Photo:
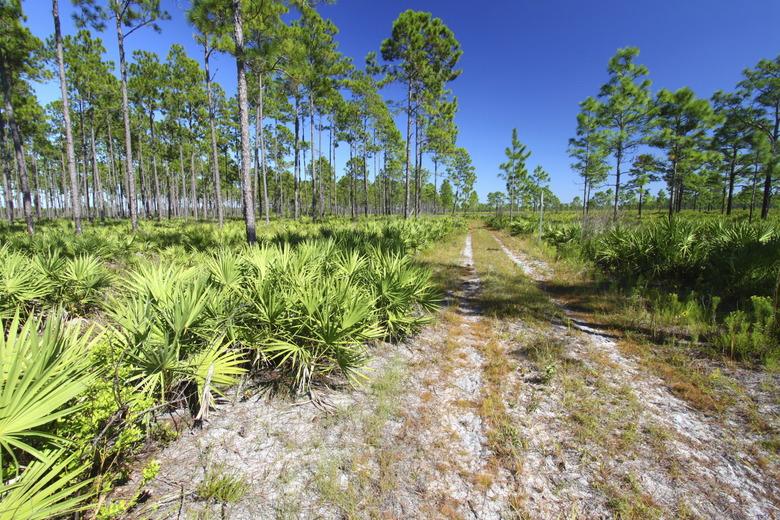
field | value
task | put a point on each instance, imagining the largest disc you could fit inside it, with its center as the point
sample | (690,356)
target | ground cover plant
(717,278)
(97,346)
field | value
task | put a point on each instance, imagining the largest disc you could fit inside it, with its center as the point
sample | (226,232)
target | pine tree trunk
(36,193)
(214,155)
(16,138)
(157,201)
(365,173)
(619,159)
(417,165)
(169,190)
(263,158)
(332,152)
(182,203)
(297,165)
(641,192)
(732,178)
(193,185)
(112,165)
(773,159)
(314,212)
(321,186)
(129,171)
(97,188)
(8,187)
(50,210)
(243,110)
(408,145)
(753,189)
(84,161)
(256,154)
(74,195)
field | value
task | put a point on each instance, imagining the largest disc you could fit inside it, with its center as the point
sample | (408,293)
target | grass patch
(506,291)
(627,500)
(222,486)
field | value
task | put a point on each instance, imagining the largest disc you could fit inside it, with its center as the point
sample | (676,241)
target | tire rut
(721,477)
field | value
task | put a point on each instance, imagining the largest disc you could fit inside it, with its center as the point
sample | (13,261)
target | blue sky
(526,63)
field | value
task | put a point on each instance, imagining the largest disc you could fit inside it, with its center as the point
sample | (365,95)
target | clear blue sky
(526,63)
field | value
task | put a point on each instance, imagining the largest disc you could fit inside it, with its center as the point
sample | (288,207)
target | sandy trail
(721,478)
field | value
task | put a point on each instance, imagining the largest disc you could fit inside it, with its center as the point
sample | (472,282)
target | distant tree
(446,195)
(732,139)
(515,172)
(761,87)
(128,16)
(625,109)
(643,171)
(661,199)
(760,149)
(422,52)
(682,123)
(473,201)
(224,19)
(442,133)
(462,173)
(588,150)
(496,200)
(147,82)
(538,182)
(19,56)
(75,199)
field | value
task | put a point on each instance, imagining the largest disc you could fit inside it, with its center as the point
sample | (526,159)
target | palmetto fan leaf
(48,488)
(42,373)
(22,284)
(225,270)
(214,368)
(83,280)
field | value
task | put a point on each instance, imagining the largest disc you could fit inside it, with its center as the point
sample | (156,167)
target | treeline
(164,140)
(703,149)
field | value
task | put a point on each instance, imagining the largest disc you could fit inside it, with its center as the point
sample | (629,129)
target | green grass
(221,486)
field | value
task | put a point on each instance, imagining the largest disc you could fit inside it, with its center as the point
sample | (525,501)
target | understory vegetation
(714,282)
(99,343)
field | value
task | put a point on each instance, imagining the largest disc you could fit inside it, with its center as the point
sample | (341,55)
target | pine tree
(422,52)
(625,109)
(761,87)
(515,171)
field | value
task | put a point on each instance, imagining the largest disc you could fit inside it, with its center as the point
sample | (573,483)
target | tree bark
(214,155)
(84,160)
(771,166)
(129,168)
(193,185)
(8,187)
(408,145)
(97,188)
(618,160)
(36,193)
(732,178)
(297,165)
(243,110)
(157,201)
(142,175)
(365,173)
(16,138)
(74,194)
